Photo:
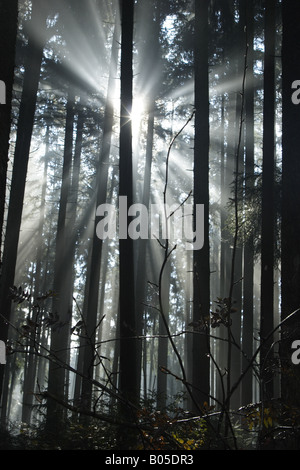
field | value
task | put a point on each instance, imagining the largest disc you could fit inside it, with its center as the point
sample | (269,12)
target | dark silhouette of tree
(25,125)
(128,348)
(247,338)
(8,28)
(201,264)
(268,217)
(290,225)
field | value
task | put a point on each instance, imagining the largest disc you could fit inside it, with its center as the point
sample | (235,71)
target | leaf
(190,442)
(18,295)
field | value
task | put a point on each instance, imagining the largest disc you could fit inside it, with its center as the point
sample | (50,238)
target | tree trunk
(236,298)
(128,373)
(247,332)
(201,301)
(8,35)
(267,234)
(163,341)
(30,375)
(24,133)
(62,303)
(290,234)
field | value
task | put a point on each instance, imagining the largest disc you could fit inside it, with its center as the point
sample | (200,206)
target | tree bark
(21,156)
(267,234)
(290,228)
(163,341)
(62,303)
(201,283)
(236,297)
(8,35)
(247,332)
(128,348)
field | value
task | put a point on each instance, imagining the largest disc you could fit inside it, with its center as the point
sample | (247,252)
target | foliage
(276,426)
(172,428)
(250,210)
(77,436)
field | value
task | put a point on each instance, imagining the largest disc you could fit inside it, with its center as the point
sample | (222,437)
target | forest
(149,233)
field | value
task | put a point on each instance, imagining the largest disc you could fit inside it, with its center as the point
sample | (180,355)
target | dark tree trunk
(227,143)
(247,332)
(8,34)
(128,348)
(201,300)
(236,295)
(21,157)
(163,341)
(267,235)
(290,235)
(225,252)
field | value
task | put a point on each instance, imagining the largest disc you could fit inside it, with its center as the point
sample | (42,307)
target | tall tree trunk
(267,234)
(224,255)
(201,300)
(247,332)
(21,157)
(128,345)
(227,152)
(38,286)
(143,245)
(163,341)
(72,226)
(62,303)
(29,377)
(8,35)
(290,232)
(115,361)
(235,329)
(82,340)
